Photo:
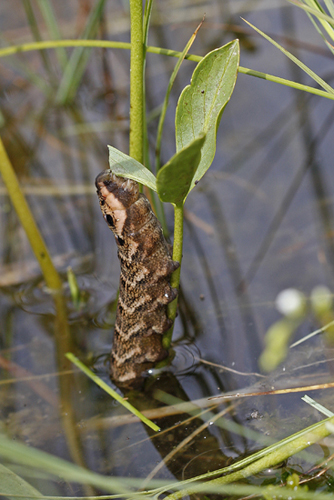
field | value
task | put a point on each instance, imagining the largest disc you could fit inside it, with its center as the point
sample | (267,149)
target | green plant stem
(53,281)
(290,447)
(26,47)
(27,220)
(136,148)
(175,279)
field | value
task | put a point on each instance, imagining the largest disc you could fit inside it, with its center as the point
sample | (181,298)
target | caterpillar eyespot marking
(145,290)
(109,220)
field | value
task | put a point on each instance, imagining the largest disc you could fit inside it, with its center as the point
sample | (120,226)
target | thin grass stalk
(136,141)
(175,279)
(289,447)
(53,28)
(166,100)
(320,32)
(98,381)
(328,27)
(51,44)
(32,458)
(27,220)
(294,59)
(78,60)
(36,33)
(330,6)
(154,200)
(146,24)
(53,281)
(315,12)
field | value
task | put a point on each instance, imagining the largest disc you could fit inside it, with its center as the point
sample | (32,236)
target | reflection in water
(251,231)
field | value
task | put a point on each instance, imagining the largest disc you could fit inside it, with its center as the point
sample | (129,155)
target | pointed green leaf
(201,103)
(125,166)
(175,177)
(12,485)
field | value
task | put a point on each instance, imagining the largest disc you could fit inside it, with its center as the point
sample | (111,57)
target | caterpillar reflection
(144,289)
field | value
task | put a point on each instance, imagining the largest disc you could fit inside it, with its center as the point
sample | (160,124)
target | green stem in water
(136,82)
(50,44)
(175,279)
(27,220)
(281,451)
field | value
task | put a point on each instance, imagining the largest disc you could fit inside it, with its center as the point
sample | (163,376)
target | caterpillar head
(116,195)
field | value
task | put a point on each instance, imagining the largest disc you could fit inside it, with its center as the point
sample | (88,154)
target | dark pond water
(260,221)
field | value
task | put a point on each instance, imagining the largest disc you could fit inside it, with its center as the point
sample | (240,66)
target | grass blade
(36,33)
(323,19)
(54,466)
(50,19)
(109,44)
(303,66)
(78,60)
(330,6)
(271,456)
(311,10)
(166,100)
(317,406)
(110,391)
(27,220)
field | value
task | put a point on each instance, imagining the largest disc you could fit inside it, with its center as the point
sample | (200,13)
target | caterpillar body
(144,289)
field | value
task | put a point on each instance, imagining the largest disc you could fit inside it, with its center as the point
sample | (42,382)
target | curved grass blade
(317,406)
(268,457)
(54,466)
(52,44)
(322,18)
(79,58)
(202,103)
(125,166)
(303,66)
(51,21)
(320,14)
(34,27)
(110,391)
(28,222)
(166,100)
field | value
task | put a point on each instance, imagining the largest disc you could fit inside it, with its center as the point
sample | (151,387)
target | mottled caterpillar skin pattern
(144,290)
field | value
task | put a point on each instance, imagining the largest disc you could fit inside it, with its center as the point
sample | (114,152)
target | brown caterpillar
(144,289)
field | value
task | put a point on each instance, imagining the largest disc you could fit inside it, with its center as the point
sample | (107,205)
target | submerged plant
(295,307)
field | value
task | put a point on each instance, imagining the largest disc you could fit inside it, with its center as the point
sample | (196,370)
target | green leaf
(175,177)
(125,166)
(12,485)
(201,103)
